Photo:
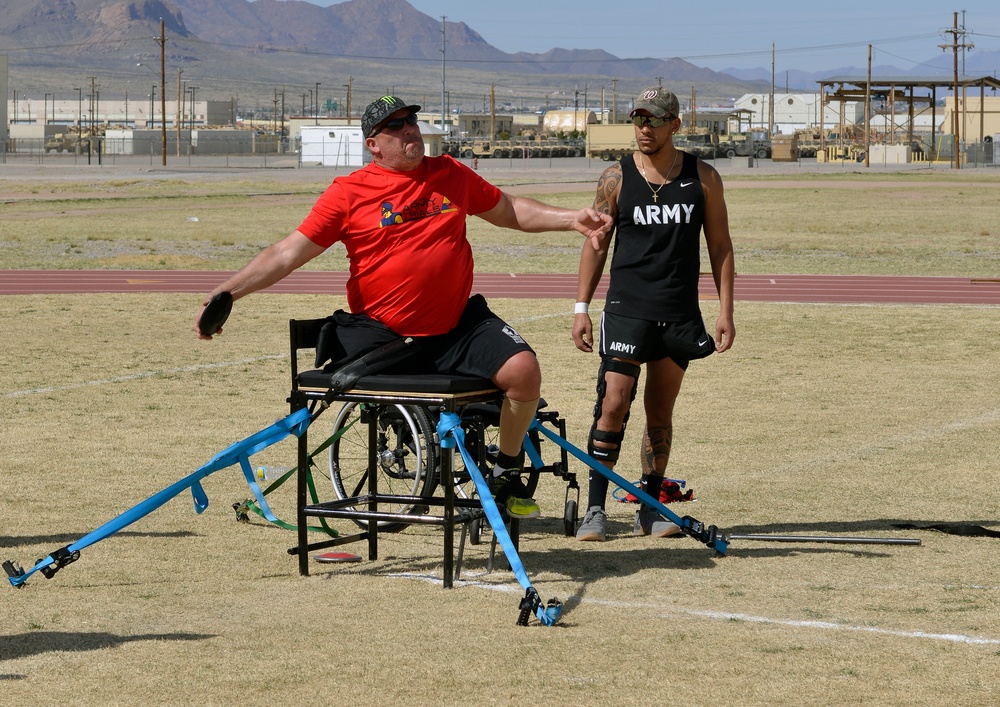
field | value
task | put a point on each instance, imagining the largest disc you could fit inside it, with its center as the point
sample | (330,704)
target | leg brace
(610,454)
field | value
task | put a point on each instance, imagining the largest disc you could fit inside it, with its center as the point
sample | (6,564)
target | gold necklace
(642,169)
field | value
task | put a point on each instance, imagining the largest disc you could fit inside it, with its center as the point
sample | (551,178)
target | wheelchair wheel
(406,456)
(570,518)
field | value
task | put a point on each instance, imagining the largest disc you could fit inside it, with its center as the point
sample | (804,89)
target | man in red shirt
(402,219)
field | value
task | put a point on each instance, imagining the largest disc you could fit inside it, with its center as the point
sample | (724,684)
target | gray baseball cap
(380,109)
(658,102)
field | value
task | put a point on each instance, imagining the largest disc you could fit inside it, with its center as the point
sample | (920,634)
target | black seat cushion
(402,383)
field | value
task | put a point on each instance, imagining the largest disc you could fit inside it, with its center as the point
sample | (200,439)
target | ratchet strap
(452,435)
(710,535)
(237,453)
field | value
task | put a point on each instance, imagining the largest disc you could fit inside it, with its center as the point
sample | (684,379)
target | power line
(512,61)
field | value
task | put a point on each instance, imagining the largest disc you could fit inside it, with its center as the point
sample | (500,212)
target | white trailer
(334,145)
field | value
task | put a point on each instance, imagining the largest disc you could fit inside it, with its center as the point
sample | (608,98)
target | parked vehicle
(67,142)
(755,143)
(610,142)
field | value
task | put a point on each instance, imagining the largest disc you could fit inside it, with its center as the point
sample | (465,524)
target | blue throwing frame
(237,453)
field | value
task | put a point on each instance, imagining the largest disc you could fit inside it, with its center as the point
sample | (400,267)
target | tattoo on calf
(656,447)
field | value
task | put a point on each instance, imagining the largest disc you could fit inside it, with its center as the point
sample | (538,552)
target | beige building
(978,117)
(138,112)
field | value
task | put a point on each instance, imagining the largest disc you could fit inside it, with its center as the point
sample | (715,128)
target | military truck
(810,139)
(66,142)
(610,142)
(753,144)
(700,144)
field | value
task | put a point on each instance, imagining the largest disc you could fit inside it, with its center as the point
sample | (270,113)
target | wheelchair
(392,430)
(408,459)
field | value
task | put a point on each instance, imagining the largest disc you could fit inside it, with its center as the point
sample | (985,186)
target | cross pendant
(654,197)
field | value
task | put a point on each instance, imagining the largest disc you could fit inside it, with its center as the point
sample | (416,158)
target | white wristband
(582,308)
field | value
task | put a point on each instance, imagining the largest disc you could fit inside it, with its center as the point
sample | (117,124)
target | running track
(758,288)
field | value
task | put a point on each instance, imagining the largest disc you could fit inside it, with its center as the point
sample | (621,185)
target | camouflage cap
(380,109)
(658,102)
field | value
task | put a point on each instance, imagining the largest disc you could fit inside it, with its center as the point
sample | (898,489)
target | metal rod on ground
(827,539)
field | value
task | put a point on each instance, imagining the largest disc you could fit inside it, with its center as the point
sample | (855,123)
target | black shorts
(478,346)
(644,340)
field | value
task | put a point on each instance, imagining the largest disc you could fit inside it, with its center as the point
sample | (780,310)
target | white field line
(727,616)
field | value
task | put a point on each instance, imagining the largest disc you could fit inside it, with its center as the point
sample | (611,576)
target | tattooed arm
(592,260)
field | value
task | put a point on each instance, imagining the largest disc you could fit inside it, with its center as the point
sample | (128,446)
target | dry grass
(916,224)
(822,419)
(904,229)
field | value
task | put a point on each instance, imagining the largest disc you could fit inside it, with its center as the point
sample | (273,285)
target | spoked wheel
(406,457)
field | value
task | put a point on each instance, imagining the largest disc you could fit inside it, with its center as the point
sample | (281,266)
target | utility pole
(274,112)
(576,111)
(693,118)
(162,41)
(443,45)
(868,110)
(955,32)
(350,85)
(178,122)
(493,111)
(93,93)
(770,104)
(614,101)
(192,89)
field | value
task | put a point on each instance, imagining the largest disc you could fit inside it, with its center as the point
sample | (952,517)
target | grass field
(857,420)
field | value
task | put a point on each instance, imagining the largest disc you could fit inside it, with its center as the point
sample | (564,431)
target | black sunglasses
(643,120)
(396,124)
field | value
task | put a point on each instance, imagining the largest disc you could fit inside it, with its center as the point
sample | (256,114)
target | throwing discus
(215,314)
(337,557)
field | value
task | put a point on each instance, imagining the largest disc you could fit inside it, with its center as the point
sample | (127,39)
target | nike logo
(686,184)
(702,343)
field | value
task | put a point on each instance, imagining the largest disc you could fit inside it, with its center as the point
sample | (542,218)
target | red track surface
(760,288)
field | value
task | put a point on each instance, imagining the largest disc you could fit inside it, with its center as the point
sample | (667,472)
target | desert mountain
(269,48)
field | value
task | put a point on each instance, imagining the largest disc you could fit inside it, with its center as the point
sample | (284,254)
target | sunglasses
(641,121)
(396,124)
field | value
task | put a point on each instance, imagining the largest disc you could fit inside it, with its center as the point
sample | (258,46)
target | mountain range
(268,50)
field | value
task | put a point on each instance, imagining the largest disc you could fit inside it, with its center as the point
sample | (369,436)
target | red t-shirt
(411,262)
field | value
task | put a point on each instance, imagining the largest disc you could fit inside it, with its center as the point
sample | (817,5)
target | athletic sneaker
(649,522)
(594,526)
(510,492)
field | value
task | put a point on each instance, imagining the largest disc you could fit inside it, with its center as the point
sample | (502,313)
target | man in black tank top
(661,200)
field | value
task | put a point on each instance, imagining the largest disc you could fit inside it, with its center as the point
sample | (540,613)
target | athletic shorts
(478,346)
(644,340)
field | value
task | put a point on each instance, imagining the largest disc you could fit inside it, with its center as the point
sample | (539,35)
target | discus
(215,314)
(337,557)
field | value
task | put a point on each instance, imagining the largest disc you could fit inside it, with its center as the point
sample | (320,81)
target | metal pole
(163,92)
(868,110)
(954,115)
(838,539)
(443,83)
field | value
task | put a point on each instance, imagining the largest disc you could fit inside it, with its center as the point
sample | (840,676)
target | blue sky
(807,36)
